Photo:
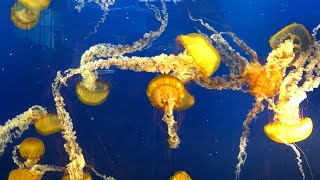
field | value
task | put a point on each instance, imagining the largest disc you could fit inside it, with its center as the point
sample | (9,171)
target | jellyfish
(292,69)
(48,124)
(86,176)
(94,96)
(90,58)
(36,5)
(298,34)
(167,92)
(15,127)
(23,17)
(285,133)
(31,149)
(206,57)
(180,175)
(21,173)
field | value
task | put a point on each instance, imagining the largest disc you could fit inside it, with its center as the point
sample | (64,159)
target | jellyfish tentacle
(242,156)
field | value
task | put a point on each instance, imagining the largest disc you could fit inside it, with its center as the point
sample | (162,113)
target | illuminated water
(125,137)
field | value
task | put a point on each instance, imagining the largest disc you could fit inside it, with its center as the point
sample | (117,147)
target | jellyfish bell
(48,124)
(289,133)
(25,174)
(164,86)
(37,5)
(23,17)
(31,149)
(297,33)
(93,97)
(180,175)
(86,176)
(206,57)
(167,92)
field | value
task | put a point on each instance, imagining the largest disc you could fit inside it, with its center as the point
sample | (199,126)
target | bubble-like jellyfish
(36,5)
(86,176)
(167,92)
(180,175)
(31,149)
(25,174)
(206,57)
(23,17)
(297,33)
(95,95)
(48,124)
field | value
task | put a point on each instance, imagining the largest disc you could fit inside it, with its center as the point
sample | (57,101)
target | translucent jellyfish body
(94,96)
(48,124)
(23,17)
(31,149)
(167,92)
(206,57)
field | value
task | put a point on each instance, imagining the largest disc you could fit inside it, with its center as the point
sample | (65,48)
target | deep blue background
(125,137)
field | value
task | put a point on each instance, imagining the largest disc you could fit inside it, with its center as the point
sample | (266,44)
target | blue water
(125,136)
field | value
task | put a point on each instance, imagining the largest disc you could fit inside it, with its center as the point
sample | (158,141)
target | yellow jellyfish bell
(37,5)
(297,33)
(163,86)
(206,57)
(180,175)
(167,92)
(289,133)
(23,17)
(86,176)
(31,149)
(24,174)
(93,97)
(48,124)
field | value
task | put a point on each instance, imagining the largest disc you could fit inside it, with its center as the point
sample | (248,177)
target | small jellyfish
(36,5)
(48,124)
(285,133)
(86,176)
(180,175)
(167,92)
(31,149)
(24,174)
(95,96)
(205,56)
(297,33)
(23,17)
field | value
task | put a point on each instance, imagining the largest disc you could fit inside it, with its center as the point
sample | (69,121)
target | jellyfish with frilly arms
(291,70)
(90,85)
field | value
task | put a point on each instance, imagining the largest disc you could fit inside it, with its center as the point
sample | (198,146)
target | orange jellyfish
(205,56)
(94,96)
(19,174)
(36,5)
(297,33)
(48,124)
(167,92)
(262,81)
(180,175)
(86,176)
(287,126)
(31,149)
(23,17)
